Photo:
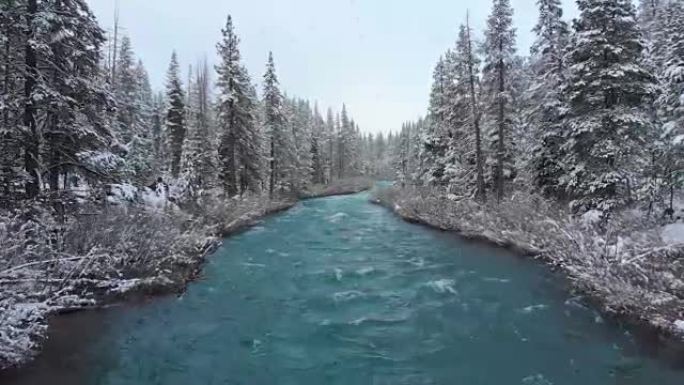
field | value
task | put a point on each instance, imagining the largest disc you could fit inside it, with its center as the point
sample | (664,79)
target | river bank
(332,292)
(625,270)
(119,254)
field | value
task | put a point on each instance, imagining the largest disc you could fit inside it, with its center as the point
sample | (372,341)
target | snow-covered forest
(107,185)
(574,152)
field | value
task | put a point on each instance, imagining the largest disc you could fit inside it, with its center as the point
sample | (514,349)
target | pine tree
(30,135)
(274,124)
(126,92)
(330,138)
(199,154)
(344,144)
(11,34)
(549,69)
(318,138)
(606,87)
(238,130)
(472,64)
(52,97)
(435,139)
(140,148)
(499,50)
(670,103)
(175,116)
(249,147)
(299,122)
(649,12)
(159,152)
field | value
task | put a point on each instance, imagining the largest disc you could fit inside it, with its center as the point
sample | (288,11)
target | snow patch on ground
(679,326)
(592,217)
(673,233)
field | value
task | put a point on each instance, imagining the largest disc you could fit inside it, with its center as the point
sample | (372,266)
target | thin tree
(175,115)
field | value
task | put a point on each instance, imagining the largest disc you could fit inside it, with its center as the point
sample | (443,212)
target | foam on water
(443,286)
(305,301)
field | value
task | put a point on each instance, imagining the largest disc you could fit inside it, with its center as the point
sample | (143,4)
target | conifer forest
(201,223)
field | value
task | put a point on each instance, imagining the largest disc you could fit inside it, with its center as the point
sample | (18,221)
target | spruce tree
(330,138)
(318,139)
(175,116)
(472,65)
(11,128)
(606,88)
(126,91)
(499,50)
(549,69)
(237,126)
(199,152)
(670,103)
(274,124)
(249,145)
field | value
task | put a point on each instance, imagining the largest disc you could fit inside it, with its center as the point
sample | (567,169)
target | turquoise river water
(339,291)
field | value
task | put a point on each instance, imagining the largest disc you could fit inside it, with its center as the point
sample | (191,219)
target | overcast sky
(376,56)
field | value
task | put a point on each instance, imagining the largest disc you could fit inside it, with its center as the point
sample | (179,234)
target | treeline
(77,112)
(593,116)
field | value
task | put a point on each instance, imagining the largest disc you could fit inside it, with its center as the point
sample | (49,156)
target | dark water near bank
(338,291)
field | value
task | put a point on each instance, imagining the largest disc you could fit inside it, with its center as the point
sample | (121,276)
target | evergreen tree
(606,88)
(175,116)
(472,64)
(436,139)
(69,66)
(11,99)
(140,155)
(499,50)
(649,13)
(274,124)
(330,138)
(317,147)
(249,148)
(238,131)
(549,69)
(670,102)
(199,154)
(344,143)
(126,90)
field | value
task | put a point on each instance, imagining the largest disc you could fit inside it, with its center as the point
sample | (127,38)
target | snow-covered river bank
(339,291)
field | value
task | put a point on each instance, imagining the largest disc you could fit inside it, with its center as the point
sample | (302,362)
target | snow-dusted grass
(99,255)
(141,242)
(621,263)
(94,256)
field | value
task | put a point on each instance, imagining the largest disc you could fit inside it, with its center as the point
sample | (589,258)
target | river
(339,291)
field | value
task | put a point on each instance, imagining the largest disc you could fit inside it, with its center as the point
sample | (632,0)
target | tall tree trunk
(230,169)
(31,140)
(480,193)
(500,145)
(331,161)
(340,156)
(271,187)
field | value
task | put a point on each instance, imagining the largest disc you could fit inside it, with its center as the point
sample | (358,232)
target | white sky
(376,56)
